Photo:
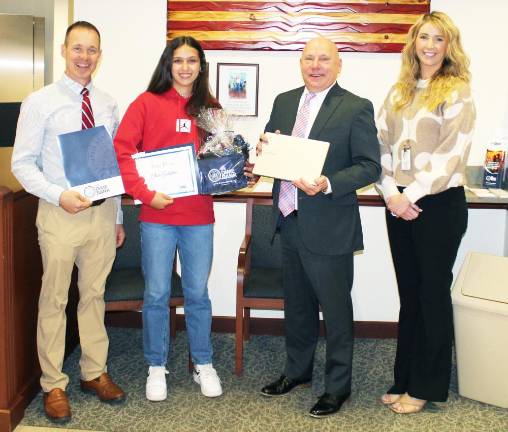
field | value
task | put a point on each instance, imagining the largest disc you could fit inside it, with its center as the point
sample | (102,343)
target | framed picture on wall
(237,88)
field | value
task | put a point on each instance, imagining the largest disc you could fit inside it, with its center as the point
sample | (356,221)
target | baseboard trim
(266,326)
(13,414)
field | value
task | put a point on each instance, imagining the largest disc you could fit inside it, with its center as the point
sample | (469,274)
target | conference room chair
(259,275)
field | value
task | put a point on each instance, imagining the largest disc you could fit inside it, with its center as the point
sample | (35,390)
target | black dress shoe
(282,386)
(328,404)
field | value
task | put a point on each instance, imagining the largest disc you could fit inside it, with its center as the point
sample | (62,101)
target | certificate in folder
(173,170)
(90,163)
(291,158)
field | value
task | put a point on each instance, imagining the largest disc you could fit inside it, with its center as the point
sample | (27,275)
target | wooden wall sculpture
(355,25)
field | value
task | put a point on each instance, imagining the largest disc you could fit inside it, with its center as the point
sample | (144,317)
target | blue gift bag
(221,174)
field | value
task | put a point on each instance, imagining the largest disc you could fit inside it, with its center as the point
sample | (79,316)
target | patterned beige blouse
(438,142)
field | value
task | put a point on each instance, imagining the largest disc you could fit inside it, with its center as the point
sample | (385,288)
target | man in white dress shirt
(72,230)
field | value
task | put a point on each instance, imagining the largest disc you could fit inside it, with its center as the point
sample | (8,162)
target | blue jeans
(195,247)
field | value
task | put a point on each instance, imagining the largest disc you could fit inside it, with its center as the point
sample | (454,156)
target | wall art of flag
(355,25)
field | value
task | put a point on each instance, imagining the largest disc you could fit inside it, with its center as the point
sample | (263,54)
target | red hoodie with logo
(155,122)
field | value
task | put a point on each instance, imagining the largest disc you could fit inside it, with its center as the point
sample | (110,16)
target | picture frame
(238,88)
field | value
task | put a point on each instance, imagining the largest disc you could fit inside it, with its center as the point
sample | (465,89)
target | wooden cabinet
(20,276)
(20,282)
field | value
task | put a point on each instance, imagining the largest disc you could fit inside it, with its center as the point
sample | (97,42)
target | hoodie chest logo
(183,125)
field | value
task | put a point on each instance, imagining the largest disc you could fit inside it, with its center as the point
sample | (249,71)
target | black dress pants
(423,252)
(312,281)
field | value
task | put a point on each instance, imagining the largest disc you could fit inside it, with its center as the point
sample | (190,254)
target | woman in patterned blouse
(425,129)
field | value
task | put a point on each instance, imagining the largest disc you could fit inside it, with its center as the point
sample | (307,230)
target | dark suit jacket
(330,224)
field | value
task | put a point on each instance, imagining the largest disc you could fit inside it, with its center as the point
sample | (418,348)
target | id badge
(405,162)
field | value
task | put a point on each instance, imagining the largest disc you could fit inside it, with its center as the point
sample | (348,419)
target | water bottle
(494,167)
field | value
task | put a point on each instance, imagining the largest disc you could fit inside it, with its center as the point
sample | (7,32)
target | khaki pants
(88,240)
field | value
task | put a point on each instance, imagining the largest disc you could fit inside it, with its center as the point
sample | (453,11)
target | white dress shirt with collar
(55,109)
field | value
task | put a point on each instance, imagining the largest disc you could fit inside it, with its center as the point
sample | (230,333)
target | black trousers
(312,281)
(423,252)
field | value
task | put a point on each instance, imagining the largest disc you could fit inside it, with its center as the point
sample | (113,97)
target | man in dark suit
(321,228)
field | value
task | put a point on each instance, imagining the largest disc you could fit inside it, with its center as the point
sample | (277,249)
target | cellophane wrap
(222,156)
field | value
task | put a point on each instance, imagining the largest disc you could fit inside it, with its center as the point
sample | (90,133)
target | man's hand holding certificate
(90,165)
(291,158)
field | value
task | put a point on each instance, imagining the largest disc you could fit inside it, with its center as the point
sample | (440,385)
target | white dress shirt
(37,161)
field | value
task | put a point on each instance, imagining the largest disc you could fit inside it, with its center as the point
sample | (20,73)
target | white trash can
(480,309)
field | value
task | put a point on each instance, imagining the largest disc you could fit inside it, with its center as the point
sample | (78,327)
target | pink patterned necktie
(87,120)
(287,189)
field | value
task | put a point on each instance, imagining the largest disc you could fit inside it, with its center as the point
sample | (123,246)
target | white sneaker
(156,388)
(206,376)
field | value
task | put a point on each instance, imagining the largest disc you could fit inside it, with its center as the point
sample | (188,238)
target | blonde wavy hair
(453,73)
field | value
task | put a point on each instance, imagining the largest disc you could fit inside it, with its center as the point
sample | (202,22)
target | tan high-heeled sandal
(408,405)
(390,398)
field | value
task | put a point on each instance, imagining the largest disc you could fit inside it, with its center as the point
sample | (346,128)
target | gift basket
(222,156)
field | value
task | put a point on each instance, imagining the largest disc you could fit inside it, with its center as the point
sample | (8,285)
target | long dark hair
(162,80)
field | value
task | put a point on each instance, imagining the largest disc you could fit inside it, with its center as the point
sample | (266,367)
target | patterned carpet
(241,408)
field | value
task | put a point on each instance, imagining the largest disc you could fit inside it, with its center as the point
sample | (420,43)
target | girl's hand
(160,201)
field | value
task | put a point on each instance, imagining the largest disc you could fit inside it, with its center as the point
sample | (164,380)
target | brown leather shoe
(56,406)
(105,389)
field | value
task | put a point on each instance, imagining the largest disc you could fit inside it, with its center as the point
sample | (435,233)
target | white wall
(134,36)
(61,20)
(483,29)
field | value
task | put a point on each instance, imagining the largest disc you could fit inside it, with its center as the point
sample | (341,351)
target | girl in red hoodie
(164,116)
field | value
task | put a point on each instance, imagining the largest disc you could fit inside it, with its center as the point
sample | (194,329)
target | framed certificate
(173,171)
